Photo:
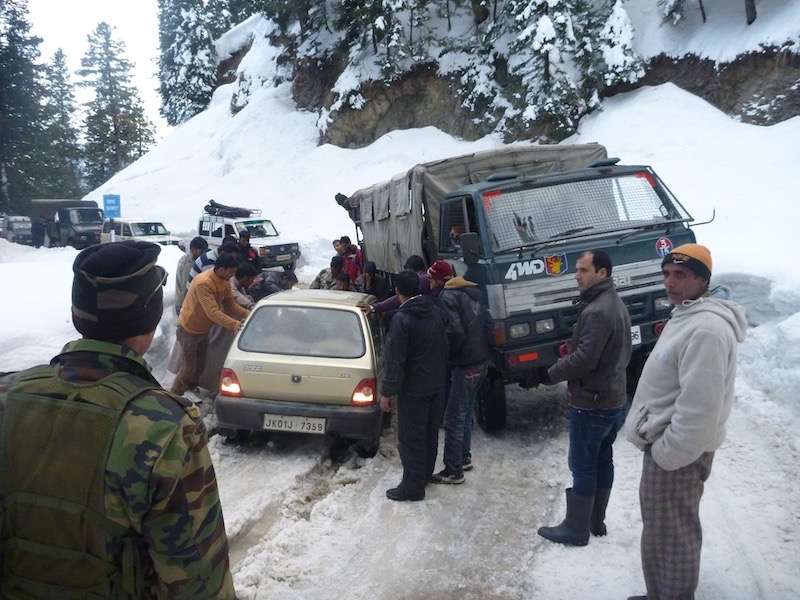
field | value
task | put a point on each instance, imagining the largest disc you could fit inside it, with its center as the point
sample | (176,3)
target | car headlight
(545,326)
(663,303)
(519,330)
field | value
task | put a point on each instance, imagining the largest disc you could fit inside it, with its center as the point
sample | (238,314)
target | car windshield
(534,214)
(304,331)
(257,228)
(20,226)
(149,229)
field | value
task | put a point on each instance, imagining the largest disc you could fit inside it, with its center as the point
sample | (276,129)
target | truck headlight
(519,330)
(662,303)
(545,326)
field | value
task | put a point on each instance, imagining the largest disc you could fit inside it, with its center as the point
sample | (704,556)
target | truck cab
(520,237)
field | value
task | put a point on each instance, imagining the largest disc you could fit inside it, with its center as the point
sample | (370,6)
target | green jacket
(159,485)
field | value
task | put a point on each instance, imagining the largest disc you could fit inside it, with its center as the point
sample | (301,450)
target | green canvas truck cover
(394,215)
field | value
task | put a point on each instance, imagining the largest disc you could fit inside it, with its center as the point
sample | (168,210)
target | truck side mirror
(470,247)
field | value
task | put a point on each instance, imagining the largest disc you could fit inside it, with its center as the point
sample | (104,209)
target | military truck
(515,220)
(76,223)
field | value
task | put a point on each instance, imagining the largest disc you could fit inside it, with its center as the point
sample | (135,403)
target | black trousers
(418,421)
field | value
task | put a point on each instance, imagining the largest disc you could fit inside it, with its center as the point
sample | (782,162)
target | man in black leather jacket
(600,349)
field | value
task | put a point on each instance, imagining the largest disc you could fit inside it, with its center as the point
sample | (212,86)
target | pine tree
(543,45)
(604,51)
(672,10)
(218,17)
(187,65)
(117,130)
(20,107)
(62,177)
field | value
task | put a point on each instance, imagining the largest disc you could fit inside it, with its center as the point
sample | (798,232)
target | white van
(142,230)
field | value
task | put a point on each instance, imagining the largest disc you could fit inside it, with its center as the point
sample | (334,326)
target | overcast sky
(67,25)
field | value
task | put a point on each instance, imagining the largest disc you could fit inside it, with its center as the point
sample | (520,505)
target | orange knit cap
(693,256)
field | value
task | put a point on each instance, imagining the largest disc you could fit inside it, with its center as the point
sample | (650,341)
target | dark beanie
(117,290)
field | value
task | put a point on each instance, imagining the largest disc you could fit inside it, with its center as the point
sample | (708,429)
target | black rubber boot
(574,529)
(597,525)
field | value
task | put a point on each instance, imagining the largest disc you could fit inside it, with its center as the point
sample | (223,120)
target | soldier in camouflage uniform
(106,484)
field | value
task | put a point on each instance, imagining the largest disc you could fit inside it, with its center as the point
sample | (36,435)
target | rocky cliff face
(760,88)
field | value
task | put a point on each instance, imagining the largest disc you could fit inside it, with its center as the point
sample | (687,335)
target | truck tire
(490,407)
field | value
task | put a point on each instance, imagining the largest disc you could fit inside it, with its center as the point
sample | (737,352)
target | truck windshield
(534,214)
(257,229)
(149,229)
(87,216)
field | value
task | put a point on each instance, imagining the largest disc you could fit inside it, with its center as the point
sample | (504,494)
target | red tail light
(230,383)
(658,328)
(365,392)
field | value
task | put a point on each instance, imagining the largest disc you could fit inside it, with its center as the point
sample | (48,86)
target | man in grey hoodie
(678,417)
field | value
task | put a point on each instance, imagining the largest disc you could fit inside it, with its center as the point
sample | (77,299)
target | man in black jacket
(599,352)
(468,335)
(416,353)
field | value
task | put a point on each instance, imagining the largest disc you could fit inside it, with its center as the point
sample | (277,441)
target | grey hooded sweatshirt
(685,393)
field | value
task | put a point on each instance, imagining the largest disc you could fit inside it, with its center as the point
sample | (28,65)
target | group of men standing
(436,342)
(677,417)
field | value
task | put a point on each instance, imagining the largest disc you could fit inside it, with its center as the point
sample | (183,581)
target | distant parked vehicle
(306,361)
(139,230)
(76,223)
(17,229)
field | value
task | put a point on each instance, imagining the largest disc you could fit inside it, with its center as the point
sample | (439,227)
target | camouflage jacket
(159,479)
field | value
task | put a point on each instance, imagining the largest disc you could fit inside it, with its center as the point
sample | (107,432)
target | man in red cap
(678,417)
(468,336)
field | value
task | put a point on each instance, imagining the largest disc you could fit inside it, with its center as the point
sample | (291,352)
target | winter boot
(597,525)
(574,529)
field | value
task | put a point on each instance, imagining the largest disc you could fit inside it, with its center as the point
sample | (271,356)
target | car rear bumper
(357,422)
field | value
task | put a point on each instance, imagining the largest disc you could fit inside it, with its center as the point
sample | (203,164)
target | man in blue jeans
(594,368)
(468,330)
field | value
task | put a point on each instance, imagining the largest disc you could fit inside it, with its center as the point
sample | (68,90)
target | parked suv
(139,230)
(306,361)
(219,221)
(17,229)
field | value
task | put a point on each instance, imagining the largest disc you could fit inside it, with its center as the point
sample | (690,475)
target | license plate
(294,424)
(636,335)
(284,257)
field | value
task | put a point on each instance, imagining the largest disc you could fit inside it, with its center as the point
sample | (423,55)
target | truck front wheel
(490,406)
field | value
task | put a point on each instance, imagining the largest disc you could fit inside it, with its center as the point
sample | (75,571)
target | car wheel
(239,437)
(490,408)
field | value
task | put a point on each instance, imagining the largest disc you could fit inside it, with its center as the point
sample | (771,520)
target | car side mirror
(470,248)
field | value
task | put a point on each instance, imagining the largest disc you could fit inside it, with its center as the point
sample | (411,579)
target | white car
(142,230)
(219,221)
